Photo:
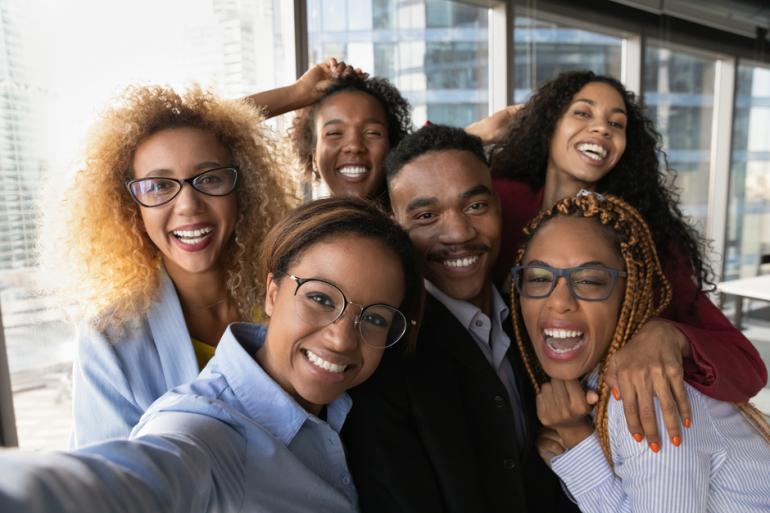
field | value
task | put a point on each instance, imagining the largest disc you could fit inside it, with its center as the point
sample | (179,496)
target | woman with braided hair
(586,131)
(569,330)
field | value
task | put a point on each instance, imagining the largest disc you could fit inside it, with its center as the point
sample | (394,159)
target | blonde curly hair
(93,236)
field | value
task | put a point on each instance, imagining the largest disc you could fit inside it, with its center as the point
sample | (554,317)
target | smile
(353,171)
(461,262)
(564,342)
(326,365)
(592,151)
(192,237)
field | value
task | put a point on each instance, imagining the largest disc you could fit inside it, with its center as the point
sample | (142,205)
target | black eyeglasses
(587,283)
(154,191)
(320,303)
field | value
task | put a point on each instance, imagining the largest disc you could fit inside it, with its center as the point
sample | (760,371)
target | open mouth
(353,171)
(592,151)
(326,365)
(192,237)
(563,342)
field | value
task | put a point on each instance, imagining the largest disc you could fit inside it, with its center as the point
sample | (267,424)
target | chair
(763,267)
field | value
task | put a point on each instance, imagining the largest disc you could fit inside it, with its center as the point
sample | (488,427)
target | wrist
(682,342)
(574,434)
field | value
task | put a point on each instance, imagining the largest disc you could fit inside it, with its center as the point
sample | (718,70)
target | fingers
(669,409)
(682,402)
(646,404)
(630,409)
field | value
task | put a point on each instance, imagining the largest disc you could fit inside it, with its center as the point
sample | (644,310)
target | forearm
(281,100)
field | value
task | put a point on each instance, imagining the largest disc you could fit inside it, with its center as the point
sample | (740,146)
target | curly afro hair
(396,107)
(641,177)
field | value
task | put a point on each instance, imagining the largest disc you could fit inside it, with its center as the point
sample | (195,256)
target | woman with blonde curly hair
(155,237)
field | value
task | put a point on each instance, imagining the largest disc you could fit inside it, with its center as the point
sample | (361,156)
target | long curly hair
(397,111)
(92,234)
(641,177)
(646,295)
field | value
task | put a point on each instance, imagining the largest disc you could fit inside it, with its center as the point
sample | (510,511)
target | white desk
(757,287)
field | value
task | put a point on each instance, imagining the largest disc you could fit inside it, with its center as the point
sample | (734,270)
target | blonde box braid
(647,293)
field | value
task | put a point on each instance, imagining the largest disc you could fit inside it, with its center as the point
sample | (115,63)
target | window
(748,219)
(543,49)
(434,51)
(679,97)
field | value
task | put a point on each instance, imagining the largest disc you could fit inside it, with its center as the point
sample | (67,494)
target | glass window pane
(679,97)
(748,221)
(543,49)
(434,51)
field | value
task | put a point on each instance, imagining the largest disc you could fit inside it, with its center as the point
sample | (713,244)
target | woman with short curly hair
(345,135)
(586,131)
(155,237)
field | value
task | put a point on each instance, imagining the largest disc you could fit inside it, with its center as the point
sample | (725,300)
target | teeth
(593,151)
(558,333)
(325,365)
(461,262)
(193,234)
(353,170)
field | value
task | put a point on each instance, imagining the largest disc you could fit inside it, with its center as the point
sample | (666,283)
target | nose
(561,298)
(456,228)
(188,201)
(600,126)
(343,335)
(354,143)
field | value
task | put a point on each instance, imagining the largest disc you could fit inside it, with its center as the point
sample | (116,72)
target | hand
(563,406)
(493,127)
(314,82)
(650,365)
(549,445)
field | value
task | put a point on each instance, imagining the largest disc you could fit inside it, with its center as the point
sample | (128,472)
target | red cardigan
(724,365)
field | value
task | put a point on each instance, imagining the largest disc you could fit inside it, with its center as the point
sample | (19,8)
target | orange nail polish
(676,441)
(615,394)
(654,446)
(638,437)
(687,422)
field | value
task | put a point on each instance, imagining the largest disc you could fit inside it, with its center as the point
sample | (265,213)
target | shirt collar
(261,397)
(465,311)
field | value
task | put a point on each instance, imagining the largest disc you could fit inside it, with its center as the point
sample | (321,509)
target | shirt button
(499,401)
(346,480)
(479,324)
(509,464)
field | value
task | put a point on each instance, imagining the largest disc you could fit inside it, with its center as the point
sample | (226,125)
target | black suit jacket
(435,432)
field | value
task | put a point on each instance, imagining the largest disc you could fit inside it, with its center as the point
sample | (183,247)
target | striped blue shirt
(723,465)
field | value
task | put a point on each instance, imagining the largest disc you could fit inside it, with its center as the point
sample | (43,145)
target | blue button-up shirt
(233,440)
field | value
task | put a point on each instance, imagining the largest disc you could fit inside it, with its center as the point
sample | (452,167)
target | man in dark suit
(452,427)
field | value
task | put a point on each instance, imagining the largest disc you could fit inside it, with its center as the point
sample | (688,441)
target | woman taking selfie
(258,431)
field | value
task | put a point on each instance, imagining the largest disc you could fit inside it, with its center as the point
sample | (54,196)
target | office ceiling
(742,17)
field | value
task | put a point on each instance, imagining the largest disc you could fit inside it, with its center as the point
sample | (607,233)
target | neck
(559,185)
(200,291)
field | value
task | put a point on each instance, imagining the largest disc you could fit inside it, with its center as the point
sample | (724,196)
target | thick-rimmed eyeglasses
(587,283)
(320,303)
(154,191)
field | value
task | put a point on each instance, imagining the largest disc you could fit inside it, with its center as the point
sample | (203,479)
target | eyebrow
(420,203)
(165,172)
(592,263)
(480,189)
(338,121)
(593,104)
(417,203)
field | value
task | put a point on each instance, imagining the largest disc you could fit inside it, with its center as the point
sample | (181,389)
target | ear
(271,294)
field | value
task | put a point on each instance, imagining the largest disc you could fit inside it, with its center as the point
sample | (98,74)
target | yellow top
(203,352)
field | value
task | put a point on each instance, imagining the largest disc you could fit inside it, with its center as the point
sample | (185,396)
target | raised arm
(305,91)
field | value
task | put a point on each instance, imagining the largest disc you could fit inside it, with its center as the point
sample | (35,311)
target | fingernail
(676,441)
(638,437)
(615,394)
(687,422)
(654,446)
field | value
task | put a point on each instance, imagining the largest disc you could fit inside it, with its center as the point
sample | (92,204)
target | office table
(757,287)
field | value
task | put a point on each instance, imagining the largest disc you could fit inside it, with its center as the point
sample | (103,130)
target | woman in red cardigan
(586,131)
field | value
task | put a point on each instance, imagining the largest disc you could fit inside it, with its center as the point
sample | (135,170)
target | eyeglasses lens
(588,283)
(157,191)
